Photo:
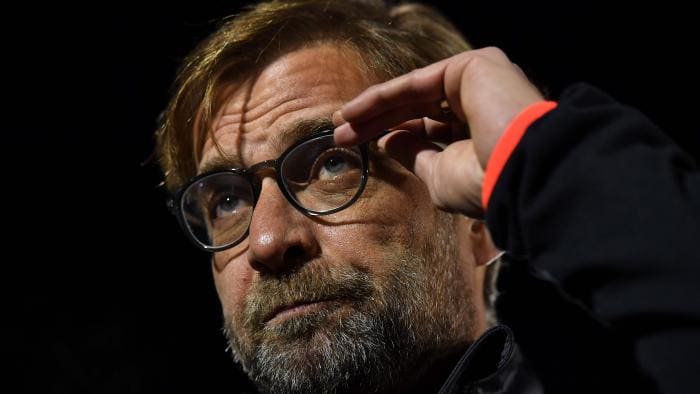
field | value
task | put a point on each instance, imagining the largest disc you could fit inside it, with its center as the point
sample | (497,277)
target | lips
(287,310)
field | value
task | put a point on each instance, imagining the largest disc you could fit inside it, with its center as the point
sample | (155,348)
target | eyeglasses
(316,176)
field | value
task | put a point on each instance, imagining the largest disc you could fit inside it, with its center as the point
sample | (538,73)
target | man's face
(359,298)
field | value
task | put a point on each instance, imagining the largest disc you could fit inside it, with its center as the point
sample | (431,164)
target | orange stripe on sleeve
(507,143)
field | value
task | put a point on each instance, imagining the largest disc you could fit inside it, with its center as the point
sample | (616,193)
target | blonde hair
(390,41)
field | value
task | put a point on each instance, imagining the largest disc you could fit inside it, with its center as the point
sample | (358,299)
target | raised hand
(473,94)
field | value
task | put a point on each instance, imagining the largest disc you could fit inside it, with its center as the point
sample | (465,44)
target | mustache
(311,283)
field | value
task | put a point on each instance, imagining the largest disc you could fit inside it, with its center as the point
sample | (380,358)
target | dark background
(104,293)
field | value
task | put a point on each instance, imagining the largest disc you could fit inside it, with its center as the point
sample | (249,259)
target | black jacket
(599,212)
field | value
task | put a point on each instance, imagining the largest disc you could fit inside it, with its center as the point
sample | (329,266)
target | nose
(280,237)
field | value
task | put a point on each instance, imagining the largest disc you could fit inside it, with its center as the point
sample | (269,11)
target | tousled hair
(389,40)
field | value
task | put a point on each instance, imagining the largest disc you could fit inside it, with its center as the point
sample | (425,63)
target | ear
(483,248)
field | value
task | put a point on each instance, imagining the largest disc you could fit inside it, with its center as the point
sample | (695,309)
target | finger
(351,133)
(457,179)
(434,130)
(414,95)
(455,82)
(520,70)
(446,132)
(419,86)
(412,152)
(337,118)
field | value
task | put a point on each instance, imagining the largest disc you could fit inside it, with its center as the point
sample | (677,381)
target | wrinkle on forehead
(308,83)
(278,142)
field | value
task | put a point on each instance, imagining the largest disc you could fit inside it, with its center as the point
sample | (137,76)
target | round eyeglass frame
(175,202)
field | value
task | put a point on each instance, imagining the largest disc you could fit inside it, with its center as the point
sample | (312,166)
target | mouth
(296,309)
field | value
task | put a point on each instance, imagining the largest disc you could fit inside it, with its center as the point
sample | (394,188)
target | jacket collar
(492,364)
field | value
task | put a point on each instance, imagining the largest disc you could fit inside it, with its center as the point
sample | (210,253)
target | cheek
(389,221)
(360,243)
(232,284)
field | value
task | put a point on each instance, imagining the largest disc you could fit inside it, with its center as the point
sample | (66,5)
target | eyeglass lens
(316,174)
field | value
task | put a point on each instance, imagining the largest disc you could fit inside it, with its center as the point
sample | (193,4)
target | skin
(381,224)
(484,91)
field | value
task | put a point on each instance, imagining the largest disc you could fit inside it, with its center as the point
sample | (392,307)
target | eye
(332,166)
(333,163)
(226,205)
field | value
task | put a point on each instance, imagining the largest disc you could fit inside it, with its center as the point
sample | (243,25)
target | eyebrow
(279,142)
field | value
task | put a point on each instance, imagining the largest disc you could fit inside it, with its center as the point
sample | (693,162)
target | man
(346,258)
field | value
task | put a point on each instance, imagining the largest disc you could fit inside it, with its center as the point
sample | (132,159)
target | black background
(104,293)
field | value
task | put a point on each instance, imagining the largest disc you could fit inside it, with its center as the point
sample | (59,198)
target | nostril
(291,260)
(260,267)
(295,255)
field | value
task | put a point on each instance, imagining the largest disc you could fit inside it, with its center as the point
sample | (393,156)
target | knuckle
(414,81)
(493,50)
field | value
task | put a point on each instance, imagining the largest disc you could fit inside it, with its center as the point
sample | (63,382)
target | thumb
(413,152)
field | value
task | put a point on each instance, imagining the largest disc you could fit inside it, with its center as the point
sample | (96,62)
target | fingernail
(337,118)
(381,142)
(343,134)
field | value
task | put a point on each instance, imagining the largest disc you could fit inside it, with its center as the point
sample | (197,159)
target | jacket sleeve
(601,199)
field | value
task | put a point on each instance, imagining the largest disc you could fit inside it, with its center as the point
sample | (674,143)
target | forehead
(304,85)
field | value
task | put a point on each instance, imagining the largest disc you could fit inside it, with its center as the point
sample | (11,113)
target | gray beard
(380,340)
